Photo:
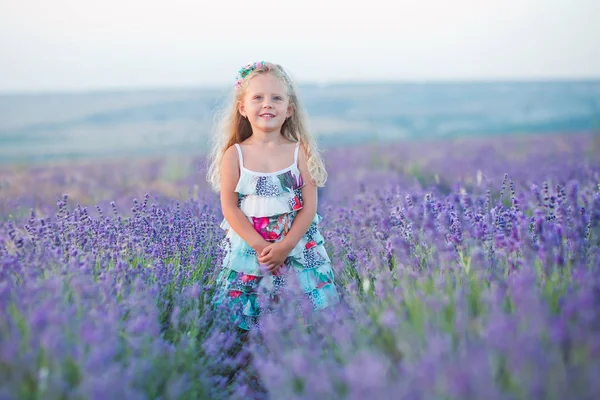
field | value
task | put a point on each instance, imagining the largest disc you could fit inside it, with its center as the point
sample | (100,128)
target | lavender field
(468,269)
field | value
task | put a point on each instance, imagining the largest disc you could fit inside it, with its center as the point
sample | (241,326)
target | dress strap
(239,150)
(296,154)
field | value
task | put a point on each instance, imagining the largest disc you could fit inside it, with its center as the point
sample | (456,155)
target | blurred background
(82,81)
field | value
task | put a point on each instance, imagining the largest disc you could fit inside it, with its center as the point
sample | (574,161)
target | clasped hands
(273,255)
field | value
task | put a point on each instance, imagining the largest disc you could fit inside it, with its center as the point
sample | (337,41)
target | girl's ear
(242,110)
(290,111)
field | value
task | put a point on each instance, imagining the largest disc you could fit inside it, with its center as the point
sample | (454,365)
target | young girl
(267,167)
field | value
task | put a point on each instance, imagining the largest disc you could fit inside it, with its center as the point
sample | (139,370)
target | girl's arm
(230,174)
(305,216)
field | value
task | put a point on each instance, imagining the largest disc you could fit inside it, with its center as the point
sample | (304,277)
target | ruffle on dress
(242,277)
(257,206)
(269,185)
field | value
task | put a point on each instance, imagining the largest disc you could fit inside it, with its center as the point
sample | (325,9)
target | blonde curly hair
(231,127)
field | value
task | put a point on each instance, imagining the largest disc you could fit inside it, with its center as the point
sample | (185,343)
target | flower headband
(245,71)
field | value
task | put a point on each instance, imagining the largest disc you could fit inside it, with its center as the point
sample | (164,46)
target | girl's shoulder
(230,156)
(230,151)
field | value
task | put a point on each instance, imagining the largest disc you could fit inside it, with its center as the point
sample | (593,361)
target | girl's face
(266,103)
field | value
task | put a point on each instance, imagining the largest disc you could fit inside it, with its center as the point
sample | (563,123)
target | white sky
(85,44)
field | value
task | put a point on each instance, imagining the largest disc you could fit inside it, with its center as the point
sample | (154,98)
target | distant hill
(37,127)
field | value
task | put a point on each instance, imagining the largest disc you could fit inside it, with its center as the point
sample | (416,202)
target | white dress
(271,201)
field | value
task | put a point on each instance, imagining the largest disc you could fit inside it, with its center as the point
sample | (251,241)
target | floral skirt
(241,278)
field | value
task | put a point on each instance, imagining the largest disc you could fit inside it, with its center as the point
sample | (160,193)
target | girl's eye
(278,98)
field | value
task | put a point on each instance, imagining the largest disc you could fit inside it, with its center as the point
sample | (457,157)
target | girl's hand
(260,246)
(274,255)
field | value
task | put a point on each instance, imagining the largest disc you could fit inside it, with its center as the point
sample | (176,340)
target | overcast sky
(84,44)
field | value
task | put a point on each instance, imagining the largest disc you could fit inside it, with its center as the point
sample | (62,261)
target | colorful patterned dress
(271,202)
